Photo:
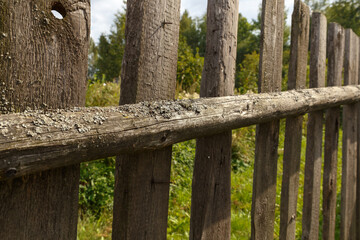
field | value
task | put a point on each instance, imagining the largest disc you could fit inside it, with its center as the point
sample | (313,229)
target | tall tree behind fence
(43,65)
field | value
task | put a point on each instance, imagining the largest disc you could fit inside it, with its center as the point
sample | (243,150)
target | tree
(189,67)
(248,39)
(92,59)
(316,5)
(248,74)
(194,32)
(346,13)
(110,51)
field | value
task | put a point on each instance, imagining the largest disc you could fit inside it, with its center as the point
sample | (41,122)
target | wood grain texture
(43,65)
(85,134)
(335,51)
(211,205)
(150,57)
(267,135)
(313,162)
(148,73)
(349,167)
(211,187)
(300,29)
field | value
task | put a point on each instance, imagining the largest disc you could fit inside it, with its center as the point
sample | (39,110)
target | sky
(103,11)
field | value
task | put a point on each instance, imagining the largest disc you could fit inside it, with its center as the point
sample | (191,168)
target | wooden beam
(34,141)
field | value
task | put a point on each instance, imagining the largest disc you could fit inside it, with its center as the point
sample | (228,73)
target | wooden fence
(43,67)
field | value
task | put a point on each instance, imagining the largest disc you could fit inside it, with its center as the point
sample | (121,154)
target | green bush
(102,94)
(97,186)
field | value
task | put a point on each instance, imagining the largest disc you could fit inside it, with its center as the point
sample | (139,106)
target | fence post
(43,65)
(211,187)
(148,73)
(293,132)
(312,182)
(267,134)
(335,50)
(349,169)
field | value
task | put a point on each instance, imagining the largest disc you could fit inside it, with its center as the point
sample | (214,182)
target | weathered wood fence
(43,67)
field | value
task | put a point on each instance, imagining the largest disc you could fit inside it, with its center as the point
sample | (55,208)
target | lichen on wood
(35,141)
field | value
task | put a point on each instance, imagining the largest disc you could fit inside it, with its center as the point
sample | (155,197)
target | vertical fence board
(267,135)
(211,187)
(349,170)
(293,132)
(142,180)
(311,206)
(335,51)
(43,65)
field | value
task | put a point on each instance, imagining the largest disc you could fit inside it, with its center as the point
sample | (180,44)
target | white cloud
(103,12)
(102,16)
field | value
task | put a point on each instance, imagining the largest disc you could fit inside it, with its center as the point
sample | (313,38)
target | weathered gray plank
(86,134)
(311,204)
(43,64)
(349,167)
(211,205)
(293,133)
(267,135)
(335,50)
(211,187)
(148,72)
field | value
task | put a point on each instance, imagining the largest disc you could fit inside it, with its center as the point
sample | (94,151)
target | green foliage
(91,227)
(248,74)
(248,39)
(346,13)
(92,59)
(317,5)
(189,68)
(102,94)
(105,58)
(180,190)
(97,186)
(193,31)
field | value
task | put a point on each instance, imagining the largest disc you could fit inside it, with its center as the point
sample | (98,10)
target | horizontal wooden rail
(36,141)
